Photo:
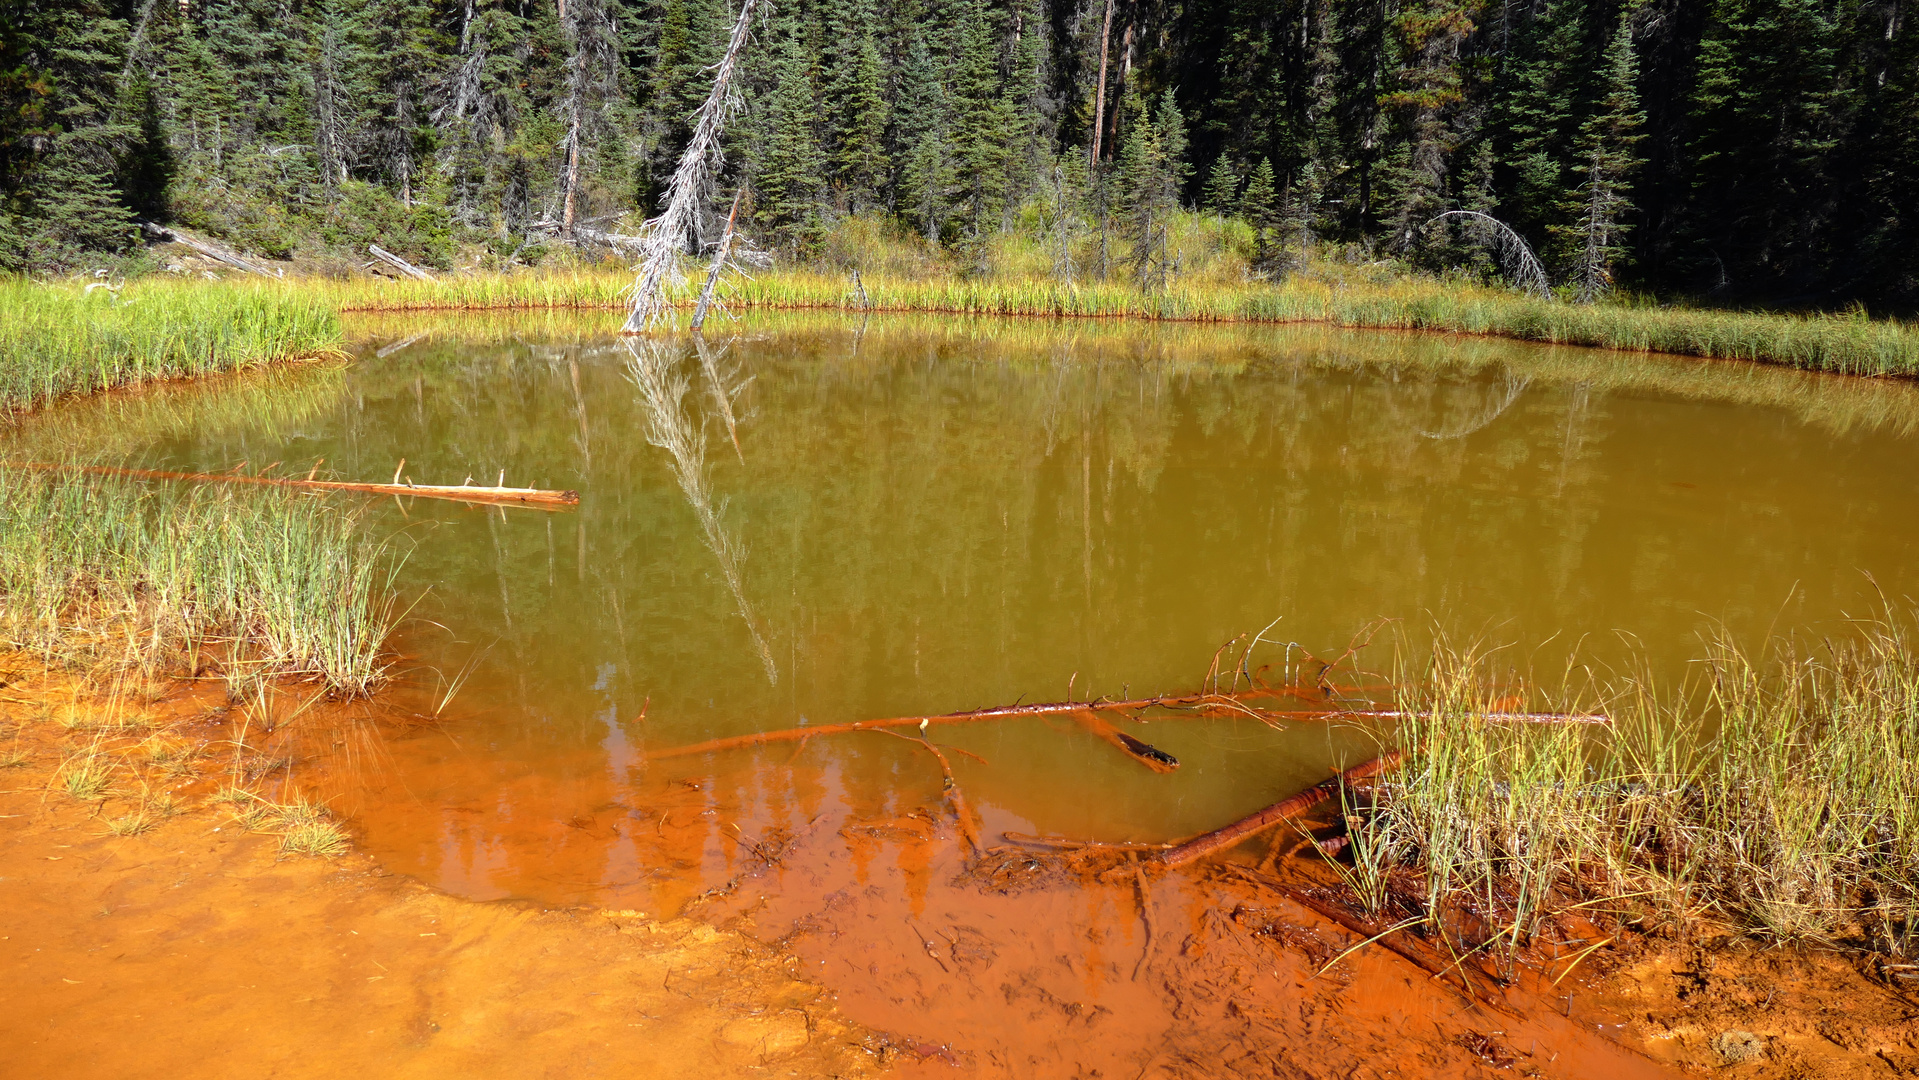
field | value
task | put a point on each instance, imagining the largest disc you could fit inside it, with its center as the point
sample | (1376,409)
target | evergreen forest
(1733,151)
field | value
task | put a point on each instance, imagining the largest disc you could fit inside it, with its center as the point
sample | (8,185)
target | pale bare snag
(664,239)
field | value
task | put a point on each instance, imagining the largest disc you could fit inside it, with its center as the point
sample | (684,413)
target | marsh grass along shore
(1777,793)
(61,340)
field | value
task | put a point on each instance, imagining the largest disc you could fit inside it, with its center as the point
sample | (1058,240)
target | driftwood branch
(1285,809)
(217,254)
(504,496)
(398,263)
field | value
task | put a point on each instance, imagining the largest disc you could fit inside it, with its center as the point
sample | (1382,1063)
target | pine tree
(981,121)
(854,98)
(1606,145)
(790,166)
(927,176)
(1259,205)
(1222,187)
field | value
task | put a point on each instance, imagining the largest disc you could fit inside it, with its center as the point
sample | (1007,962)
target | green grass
(1843,344)
(163,579)
(59,340)
(1777,792)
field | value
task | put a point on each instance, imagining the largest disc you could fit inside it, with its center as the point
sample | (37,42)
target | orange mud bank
(195,948)
(186,952)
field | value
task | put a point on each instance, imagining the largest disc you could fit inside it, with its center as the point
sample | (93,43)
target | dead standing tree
(1515,255)
(665,238)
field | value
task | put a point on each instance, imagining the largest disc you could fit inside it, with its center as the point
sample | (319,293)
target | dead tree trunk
(1099,96)
(664,238)
(719,264)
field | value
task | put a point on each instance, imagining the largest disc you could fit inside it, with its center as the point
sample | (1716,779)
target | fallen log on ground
(398,263)
(501,496)
(1285,809)
(217,254)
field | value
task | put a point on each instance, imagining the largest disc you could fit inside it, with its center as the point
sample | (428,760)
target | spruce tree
(924,118)
(789,169)
(1222,187)
(1762,125)
(1606,146)
(854,99)
(1152,168)
(1259,205)
(981,122)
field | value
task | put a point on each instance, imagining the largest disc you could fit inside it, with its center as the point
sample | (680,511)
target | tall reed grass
(1779,790)
(99,569)
(57,340)
(1845,344)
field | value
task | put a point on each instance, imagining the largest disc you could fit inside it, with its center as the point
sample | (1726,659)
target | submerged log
(1143,752)
(1192,704)
(1219,839)
(500,496)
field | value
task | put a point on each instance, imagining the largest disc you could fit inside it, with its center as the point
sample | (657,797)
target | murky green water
(819,522)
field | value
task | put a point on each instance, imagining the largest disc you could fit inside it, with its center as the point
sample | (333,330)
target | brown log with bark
(1219,839)
(499,496)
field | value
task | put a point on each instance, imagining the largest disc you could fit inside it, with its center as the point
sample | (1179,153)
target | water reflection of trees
(655,369)
(954,513)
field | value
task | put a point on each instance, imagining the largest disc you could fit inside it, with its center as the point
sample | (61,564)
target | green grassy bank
(58,340)
(1845,344)
(182,580)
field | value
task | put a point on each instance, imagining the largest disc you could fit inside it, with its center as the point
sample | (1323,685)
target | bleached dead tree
(1515,255)
(665,238)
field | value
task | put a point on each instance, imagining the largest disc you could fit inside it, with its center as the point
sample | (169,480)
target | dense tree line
(1743,149)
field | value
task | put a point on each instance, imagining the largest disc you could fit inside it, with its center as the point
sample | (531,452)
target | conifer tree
(923,120)
(981,122)
(855,104)
(1222,187)
(1763,122)
(790,167)
(1606,146)
(1152,168)
(1259,205)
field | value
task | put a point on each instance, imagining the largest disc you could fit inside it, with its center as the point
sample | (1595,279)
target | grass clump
(87,778)
(58,340)
(1779,791)
(93,567)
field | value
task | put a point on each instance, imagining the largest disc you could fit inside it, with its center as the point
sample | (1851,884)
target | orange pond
(823,520)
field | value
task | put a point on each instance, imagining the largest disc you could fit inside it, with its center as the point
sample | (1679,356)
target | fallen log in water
(504,496)
(1219,839)
(1145,753)
(1191,704)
